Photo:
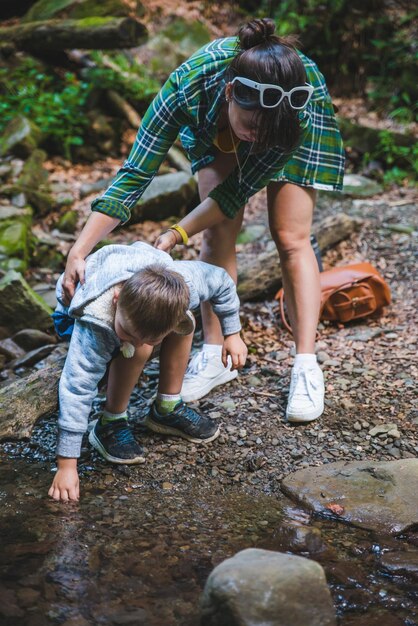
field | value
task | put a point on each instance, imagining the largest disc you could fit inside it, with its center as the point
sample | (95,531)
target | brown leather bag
(347,293)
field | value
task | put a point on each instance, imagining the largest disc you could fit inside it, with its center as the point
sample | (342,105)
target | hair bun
(255,32)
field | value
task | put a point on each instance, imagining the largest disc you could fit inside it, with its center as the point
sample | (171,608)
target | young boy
(134,298)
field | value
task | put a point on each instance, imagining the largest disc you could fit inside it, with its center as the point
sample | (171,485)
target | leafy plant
(56,104)
(401,162)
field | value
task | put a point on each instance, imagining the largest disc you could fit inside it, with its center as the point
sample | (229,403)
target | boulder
(379,496)
(33,182)
(173,45)
(167,195)
(20,137)
(265,588)
(30,339)
(20,306)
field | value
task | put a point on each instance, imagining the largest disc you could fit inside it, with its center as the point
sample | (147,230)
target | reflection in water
(141,555)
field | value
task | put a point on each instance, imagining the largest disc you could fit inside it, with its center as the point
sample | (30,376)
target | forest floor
(369,366)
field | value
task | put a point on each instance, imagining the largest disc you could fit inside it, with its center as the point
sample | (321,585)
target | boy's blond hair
(154,301)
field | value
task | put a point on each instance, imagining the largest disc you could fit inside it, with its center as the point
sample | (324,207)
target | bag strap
(283,312)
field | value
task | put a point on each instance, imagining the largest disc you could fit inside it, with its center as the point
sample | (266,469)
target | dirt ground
(369,367)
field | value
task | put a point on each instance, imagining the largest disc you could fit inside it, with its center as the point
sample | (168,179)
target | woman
(251,113)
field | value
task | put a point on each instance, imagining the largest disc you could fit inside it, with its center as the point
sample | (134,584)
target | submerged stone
(260,587)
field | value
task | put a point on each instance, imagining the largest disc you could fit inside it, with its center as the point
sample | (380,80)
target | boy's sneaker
(205,371)
(183,422)
(306,394)
(115,442)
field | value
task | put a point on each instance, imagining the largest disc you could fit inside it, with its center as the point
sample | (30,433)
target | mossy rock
(68,222)
(15,237)
(78,9)
(20,306)
(174,44)
(33,183)
(20,137)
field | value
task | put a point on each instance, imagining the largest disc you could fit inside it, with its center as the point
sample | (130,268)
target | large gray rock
(381,496)
(20,306)
(167,195)
(264,588)
(357,186)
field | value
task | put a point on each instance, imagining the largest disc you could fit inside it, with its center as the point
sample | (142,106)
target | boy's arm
(90,351)
(65,486)
(212,283)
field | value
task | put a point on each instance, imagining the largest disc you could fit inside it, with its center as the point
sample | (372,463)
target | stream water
(141,554)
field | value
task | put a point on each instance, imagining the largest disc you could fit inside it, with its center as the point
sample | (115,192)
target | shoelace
(185,411)
(303,385)
(197,364)
(124,435)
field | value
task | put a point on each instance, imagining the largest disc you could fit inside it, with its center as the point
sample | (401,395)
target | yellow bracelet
(184,236)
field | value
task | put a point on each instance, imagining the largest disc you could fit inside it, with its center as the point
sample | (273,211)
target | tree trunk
(260,275)
(89,33)
(27,399)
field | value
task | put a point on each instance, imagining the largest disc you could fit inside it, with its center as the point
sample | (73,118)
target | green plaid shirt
(188,105)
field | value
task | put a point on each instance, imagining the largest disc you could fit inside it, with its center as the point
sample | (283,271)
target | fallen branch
(88,33)
(259,275)
(27,399)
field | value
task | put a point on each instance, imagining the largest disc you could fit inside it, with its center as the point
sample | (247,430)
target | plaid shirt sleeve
(257,172)
(157,133)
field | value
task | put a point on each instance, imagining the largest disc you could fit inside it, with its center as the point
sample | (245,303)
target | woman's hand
(234,347)
(168,240)
(74,273)
(65,486)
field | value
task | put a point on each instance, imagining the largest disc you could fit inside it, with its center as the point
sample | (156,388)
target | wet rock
(20,137)
(167,195)
(32,357)
(380,496)
(20,306)
(10,349)
(401,563)
(30,339)
(258,587)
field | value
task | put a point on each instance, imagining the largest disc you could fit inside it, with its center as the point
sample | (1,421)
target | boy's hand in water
(234,347)
(65,486)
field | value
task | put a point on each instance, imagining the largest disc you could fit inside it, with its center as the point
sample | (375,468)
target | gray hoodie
(94,341)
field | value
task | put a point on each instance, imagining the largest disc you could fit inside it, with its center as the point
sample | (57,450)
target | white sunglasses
(272,95)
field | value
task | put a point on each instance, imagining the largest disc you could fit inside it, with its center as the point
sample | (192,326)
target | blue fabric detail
(64,325)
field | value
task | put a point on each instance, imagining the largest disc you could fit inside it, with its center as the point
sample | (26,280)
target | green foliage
(363,47)
(54,103)
(129,78)
(401,162)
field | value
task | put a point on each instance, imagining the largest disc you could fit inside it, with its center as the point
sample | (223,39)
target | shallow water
(135,554)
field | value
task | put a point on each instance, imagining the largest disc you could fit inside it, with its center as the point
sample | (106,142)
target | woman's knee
(291,243)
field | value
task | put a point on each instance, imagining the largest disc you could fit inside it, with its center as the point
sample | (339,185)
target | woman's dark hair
(266,58)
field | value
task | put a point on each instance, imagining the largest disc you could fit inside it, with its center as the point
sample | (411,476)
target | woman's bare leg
(290,216)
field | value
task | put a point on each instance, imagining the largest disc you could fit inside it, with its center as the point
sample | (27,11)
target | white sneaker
(306,394)
(205,371)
